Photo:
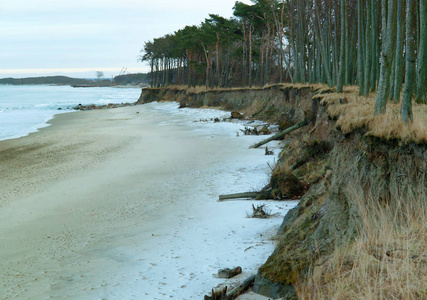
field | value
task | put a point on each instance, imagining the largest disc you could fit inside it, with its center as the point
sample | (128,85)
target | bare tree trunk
(218,83)
(360,48)
(321,44)
(389,32)
(244,60)
(280,31)
(341,76)
(205,52)
(375,42)
(152,72)
(398,78)
(408,89)
(250,55)
(347,48)
(422,55)
(368,48)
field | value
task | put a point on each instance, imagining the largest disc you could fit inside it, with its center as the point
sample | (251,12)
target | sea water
(27,108)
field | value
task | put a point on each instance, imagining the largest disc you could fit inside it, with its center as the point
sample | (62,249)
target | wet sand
(121,204)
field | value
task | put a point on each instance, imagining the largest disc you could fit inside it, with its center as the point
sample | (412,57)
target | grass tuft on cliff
(388,260)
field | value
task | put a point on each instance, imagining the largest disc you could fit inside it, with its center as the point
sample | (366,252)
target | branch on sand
(251,195)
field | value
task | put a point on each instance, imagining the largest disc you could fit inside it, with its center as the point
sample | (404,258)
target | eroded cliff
(348,167)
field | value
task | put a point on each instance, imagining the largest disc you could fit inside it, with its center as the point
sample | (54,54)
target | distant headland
(127,79)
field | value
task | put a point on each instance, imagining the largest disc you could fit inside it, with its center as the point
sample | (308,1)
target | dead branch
(251,195)
(259,212)
(281,134)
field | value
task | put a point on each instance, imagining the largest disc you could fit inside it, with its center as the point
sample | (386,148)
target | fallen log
(229,273)
(281,134)
(245,285)
(251,195)
(221,294)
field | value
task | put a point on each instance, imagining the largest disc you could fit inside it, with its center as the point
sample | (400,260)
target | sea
(27,108)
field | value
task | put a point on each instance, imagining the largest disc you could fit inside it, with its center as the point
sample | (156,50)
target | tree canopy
(377,45)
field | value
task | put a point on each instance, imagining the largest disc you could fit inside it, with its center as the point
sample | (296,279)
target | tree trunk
(408,89)
(375,42)
(389,32)
(360,48)
(341,76)
(251,195)
(250,56)
(280,134)
(422,55)
(205,52)
(218,83)
(244,60)
(368,47)
(321,44)
(398,78)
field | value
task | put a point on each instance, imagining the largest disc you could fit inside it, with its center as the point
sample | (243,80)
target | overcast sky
(79,37)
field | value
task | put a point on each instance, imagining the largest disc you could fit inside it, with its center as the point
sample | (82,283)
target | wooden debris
(229,273)
(259,212)
(250,131)
(268,152)
(280,134)
(220,294)
(255,131)
(251,195)
(245,285)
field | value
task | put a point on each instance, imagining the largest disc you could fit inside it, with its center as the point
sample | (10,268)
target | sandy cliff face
(344,173)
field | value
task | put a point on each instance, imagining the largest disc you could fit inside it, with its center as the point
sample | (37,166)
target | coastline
(78,203)
(27,108)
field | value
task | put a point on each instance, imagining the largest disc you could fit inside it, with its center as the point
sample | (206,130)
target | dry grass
(388,260)
(354,112)
(202,89)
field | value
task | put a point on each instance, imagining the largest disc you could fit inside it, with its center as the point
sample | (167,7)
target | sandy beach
(122,204)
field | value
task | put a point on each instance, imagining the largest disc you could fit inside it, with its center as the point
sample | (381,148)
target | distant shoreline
(121,80)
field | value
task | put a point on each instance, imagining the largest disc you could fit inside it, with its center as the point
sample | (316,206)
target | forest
(377,45)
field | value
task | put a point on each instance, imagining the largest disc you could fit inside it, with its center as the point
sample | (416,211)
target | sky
(79,37)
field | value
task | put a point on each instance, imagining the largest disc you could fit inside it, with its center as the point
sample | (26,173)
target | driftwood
(259,212)
(251,195)
(281,134)
(268,152)
(220,294)
(229,273)
(241,288)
